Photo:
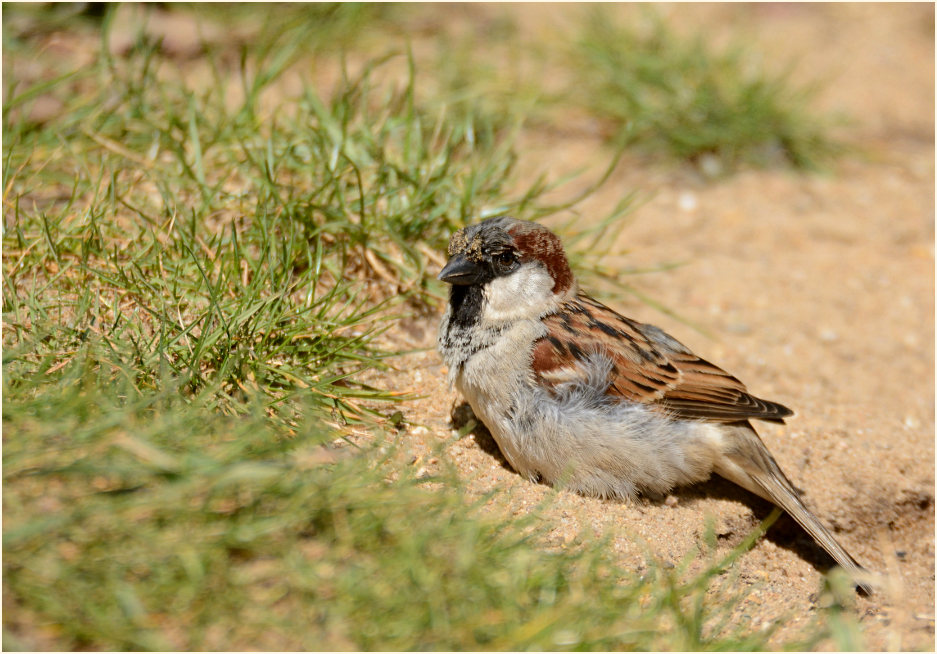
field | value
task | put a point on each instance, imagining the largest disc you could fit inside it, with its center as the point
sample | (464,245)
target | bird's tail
(749,464)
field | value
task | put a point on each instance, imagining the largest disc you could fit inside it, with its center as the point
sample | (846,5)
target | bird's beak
(459,271)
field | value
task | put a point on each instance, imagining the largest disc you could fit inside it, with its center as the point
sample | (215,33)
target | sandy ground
(817,291)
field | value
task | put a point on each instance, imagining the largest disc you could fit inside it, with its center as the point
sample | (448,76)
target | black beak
(459,271)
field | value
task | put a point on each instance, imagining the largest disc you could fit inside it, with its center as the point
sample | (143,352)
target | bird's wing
(648,366)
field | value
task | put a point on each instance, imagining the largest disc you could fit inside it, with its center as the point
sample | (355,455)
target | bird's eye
(505,258)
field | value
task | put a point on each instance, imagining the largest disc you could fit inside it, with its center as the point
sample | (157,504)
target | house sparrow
(578,395)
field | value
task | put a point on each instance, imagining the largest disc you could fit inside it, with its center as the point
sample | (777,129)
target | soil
(817,290)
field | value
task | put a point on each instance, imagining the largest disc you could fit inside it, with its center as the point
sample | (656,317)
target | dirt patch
(819,293)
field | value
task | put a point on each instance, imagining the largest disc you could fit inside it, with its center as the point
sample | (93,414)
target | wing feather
(648,366)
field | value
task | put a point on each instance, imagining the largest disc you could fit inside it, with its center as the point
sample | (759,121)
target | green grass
(197,259)
(154,524)
(678,95)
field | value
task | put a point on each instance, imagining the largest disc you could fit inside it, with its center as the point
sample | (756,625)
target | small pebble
(710,165)
(828,335)
(687,201)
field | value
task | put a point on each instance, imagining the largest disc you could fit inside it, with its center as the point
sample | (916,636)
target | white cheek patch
(525,293)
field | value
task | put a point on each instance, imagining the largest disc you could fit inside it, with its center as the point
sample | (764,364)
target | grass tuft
(678,95)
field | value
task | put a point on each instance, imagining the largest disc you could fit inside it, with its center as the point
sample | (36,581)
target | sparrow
(580,396)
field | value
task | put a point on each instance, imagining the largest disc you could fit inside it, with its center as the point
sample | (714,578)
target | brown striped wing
(649,366)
